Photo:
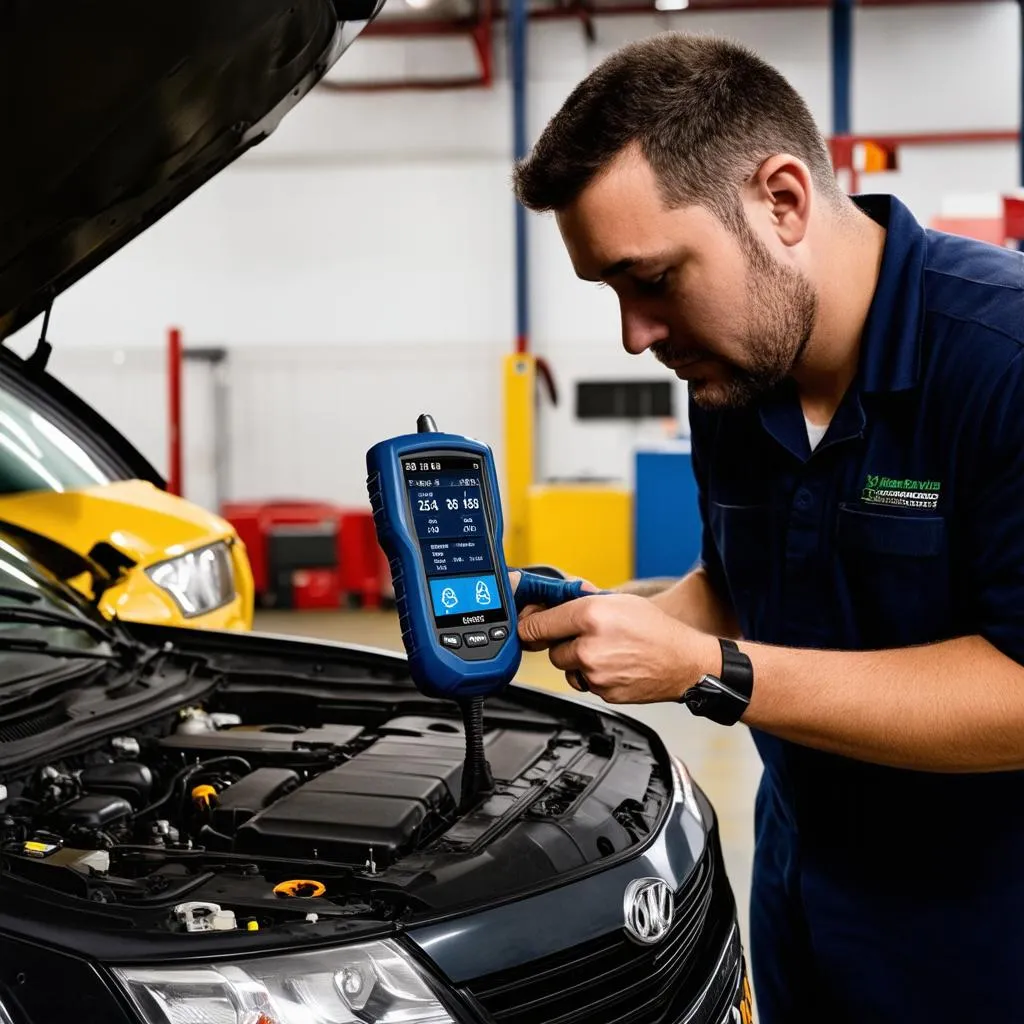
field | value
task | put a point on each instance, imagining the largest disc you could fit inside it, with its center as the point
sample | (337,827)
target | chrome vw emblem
(648,909)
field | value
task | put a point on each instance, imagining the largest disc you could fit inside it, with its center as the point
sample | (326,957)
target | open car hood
(115,111)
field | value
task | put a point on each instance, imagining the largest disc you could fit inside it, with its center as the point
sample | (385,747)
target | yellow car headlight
(375,982)
(199,581)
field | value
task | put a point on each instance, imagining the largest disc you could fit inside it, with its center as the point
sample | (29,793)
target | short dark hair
(704,111)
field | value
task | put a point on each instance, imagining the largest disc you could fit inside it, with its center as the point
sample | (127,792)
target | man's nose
(641,330)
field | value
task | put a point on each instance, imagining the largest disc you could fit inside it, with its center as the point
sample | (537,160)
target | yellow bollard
(520,377)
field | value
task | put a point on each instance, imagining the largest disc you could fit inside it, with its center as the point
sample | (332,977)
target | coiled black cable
(477,780)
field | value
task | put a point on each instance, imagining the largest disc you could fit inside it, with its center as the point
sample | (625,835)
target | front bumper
(89,997)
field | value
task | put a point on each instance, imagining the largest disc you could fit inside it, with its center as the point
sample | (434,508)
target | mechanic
(856,390)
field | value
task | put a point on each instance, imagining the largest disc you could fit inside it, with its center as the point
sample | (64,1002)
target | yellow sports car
(91,508)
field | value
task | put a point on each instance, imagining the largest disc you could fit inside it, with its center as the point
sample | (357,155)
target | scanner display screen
(449,511)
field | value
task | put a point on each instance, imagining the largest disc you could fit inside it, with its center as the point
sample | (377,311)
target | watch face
(710,698)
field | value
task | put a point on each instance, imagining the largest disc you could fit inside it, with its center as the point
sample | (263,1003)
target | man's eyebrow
(614,269)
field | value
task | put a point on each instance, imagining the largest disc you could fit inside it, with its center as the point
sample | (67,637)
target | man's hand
(628,650)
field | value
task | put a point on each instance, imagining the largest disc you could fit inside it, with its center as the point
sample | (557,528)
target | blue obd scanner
(438,517)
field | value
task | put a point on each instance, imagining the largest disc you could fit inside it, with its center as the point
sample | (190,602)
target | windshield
(27,591)
(38,454)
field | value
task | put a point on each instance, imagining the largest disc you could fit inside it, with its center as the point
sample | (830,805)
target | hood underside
(115,111)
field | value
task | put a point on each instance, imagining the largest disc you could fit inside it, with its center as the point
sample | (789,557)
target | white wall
(359,264)
(300,417)
(932,69)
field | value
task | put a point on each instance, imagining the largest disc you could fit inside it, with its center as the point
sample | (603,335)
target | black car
(220,827)
(200,827)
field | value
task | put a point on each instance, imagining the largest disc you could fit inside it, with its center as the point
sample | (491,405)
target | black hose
(477,780)
(176,892)
(186,773)
(214,840)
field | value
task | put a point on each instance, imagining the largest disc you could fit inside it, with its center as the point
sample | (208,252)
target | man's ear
(782,187)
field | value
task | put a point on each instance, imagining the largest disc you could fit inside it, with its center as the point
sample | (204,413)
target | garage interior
(367,263)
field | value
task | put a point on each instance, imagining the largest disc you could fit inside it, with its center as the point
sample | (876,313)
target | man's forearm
(648,587)
(956,706)
(694,601)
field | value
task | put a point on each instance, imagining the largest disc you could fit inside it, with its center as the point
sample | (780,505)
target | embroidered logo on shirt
(883,490)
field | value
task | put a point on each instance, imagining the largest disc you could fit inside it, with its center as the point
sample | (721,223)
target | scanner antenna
(425,424)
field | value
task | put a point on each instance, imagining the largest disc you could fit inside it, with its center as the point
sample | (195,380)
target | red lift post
(174,367)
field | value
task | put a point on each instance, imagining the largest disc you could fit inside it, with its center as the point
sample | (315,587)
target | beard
(783,309)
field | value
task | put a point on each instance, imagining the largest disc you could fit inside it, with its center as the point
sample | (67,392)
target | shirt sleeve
(703,432)
(993,503)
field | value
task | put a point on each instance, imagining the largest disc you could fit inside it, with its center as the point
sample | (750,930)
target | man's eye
(653,286)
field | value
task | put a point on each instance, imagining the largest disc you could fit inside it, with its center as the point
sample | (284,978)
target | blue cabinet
(666,520)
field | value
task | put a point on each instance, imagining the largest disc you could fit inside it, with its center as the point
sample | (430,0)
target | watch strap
(737,672)
(723,698)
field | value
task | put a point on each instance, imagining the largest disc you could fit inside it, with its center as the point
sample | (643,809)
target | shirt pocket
(745,537)
(896,568)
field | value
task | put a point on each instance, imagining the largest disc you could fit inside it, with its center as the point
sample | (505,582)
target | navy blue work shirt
(904,526)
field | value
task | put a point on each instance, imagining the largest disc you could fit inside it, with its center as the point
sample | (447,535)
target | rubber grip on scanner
(394,564)
(536,589)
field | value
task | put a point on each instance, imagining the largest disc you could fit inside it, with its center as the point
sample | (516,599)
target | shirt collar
(891,343)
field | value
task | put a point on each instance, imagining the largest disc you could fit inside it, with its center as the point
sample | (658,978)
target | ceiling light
(666,5)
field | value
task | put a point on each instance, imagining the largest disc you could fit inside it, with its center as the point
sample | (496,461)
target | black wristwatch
(723,698)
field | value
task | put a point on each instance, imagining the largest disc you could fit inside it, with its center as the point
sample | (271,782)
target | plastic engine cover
(345,812)
(239,802)
(94,810)
(401,790)
(268,739)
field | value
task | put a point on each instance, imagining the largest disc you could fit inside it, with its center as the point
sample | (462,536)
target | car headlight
(199,581)
(373,983)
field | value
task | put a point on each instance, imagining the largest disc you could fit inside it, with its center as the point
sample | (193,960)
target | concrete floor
(722,761)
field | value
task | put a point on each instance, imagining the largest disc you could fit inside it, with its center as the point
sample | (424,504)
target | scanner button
(452,640)
(476,639)
(499,633)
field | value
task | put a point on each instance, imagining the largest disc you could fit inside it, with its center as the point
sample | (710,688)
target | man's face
(724,313)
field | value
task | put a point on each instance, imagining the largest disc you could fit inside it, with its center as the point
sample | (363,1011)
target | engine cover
(238,803)
(398,792)
(376,803)
(263,739)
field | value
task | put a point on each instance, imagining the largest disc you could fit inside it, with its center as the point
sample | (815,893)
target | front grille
(612,980)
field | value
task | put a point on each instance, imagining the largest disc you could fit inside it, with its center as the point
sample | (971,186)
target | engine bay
(236,815)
